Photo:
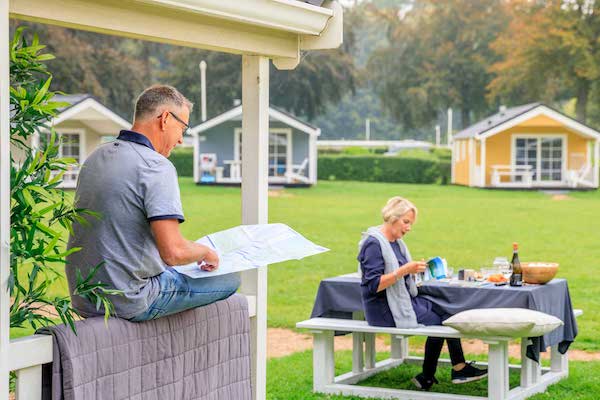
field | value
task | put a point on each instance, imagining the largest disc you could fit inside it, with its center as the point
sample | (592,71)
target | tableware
(539,272)
(487,271)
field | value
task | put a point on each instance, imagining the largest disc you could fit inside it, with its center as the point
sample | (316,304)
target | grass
(290,378)
(467,226)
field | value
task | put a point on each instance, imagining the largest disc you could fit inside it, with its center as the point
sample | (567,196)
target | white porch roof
(278,29)
(258,29)
(274,115)
(90,112)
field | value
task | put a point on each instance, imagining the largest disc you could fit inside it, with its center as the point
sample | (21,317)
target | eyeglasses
(187,127)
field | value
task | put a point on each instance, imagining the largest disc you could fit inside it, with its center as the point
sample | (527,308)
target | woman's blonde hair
(395,208)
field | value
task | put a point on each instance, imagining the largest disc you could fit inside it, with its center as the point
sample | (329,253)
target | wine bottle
(516,278)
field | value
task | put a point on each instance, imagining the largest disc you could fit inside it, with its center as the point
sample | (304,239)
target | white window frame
(82,146)
(237,135)
(539,137)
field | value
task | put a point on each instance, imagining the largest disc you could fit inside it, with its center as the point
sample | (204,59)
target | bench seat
(534,378)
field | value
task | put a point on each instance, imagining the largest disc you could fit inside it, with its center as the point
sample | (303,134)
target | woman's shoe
(468,374)
(423,382)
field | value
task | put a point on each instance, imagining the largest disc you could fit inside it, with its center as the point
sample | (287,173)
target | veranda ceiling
(278,29)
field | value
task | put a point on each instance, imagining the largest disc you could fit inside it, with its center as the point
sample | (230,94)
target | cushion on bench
(511,322)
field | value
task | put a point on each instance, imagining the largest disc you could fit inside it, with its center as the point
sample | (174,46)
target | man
(133,186)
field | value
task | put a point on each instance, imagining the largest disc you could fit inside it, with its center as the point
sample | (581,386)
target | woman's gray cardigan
(398,295)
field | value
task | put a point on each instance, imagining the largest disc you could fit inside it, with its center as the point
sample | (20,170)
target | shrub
(183,159)
(442,153)
(379,169)
(41,214)
(355,151)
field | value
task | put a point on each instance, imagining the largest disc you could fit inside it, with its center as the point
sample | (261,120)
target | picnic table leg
(498,370)
(399,347)
(531,371)
(369,350)
(559,362)
(323,361)
(357,352)
(358,339)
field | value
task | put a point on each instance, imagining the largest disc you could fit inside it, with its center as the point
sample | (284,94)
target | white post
(358,364)
(255,136)
(482,169)
(203,89)
(498,371)
(29,383)
(559,363)
(370,351)
(368,129)
(4,199)
(449,126)
(196,158)
(471,165)
(453,160)
(596,163)
(323,360)
(531,371)
(438,134)
(313,156)
(399,347)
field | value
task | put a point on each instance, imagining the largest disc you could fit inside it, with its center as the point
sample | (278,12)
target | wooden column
(4,199)
(255,150)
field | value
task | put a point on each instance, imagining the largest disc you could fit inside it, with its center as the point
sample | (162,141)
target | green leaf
(42,92)
(28,198)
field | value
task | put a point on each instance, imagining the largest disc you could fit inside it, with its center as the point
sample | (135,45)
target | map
(251,246)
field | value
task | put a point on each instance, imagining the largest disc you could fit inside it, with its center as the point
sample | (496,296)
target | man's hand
(174,249)
(210,261)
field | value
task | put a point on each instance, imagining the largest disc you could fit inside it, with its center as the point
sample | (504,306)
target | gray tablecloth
(339,297)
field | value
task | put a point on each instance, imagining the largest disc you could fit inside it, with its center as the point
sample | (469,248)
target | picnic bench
(534,378)
(519,175)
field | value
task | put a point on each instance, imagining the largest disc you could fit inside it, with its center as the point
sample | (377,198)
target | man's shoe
(424,383)
(468,374)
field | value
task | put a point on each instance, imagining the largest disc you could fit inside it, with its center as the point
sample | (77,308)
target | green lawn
(469,227)
(290,378)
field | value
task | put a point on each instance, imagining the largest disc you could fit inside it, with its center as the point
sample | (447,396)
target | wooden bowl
(538,272)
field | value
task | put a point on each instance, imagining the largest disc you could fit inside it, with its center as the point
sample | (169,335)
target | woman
(390,296)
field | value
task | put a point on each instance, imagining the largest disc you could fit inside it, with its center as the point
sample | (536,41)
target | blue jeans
(179,292)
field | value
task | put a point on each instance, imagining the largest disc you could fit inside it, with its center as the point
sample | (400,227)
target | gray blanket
(201,354)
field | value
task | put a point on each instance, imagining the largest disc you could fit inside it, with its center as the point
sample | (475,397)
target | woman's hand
(414,266)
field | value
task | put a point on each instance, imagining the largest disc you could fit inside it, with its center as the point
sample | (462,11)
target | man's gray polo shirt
(128,184)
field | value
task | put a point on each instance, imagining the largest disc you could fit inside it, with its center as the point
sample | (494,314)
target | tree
(104,66)
(321,78)
(550,52)
(438,57)
(41,215)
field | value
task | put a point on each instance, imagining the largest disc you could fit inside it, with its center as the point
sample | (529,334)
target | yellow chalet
(529,146)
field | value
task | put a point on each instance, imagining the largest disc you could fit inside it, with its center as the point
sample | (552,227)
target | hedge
(384,169)
(183,159)
(370,168)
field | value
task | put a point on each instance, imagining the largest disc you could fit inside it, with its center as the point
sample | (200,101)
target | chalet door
(545,155)
(278,150)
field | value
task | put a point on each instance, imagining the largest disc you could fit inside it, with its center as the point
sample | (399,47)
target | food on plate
(496,278)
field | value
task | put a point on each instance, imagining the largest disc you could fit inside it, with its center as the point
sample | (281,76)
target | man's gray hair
(156,96)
